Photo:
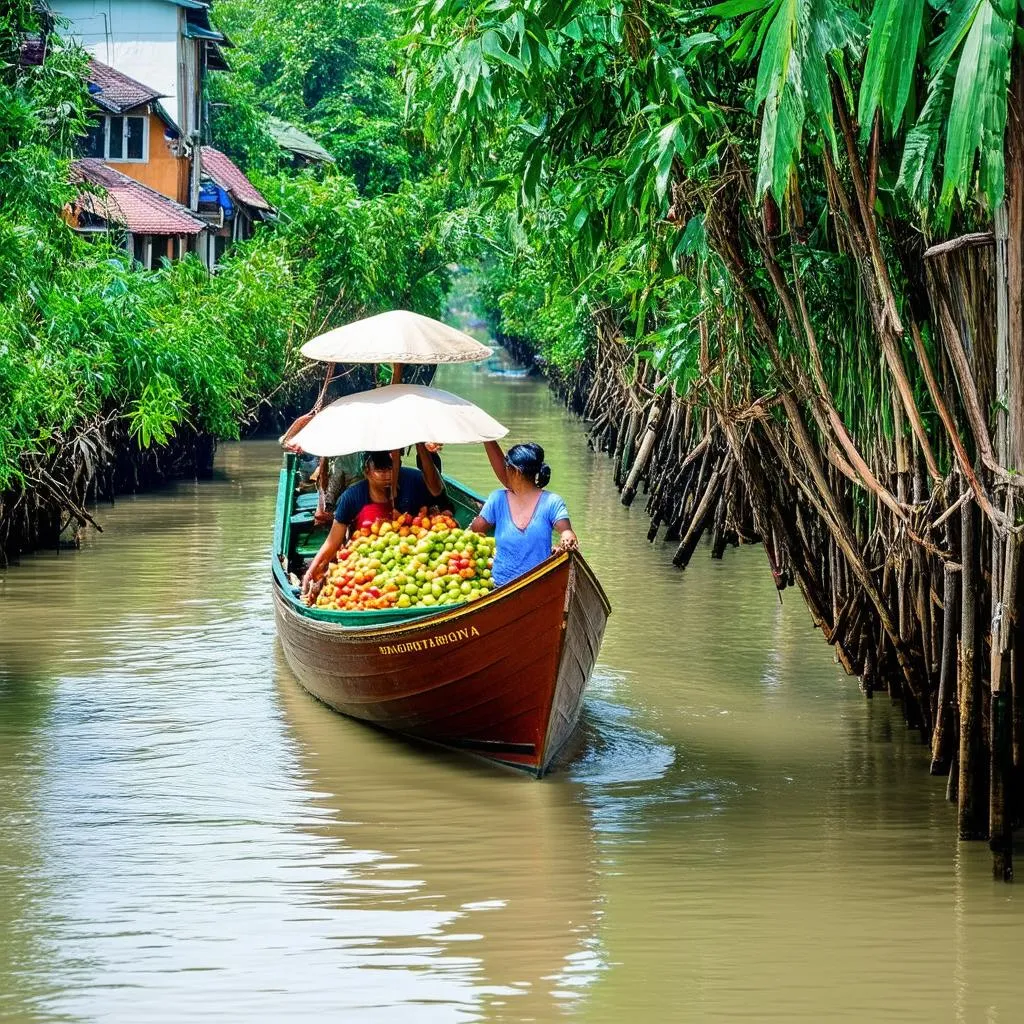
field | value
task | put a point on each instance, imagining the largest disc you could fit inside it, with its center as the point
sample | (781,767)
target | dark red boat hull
(502,677)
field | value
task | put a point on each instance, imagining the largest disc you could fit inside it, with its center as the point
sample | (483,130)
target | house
(168,44)
(143,147)
(303,148)
(229,202)
(151,225)
(135,134)
(137,172)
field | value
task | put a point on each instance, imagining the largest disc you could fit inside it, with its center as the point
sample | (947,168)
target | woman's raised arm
(431,477)
(496,457)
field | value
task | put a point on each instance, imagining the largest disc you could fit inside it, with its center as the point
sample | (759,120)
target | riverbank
(917,597)
(97,461)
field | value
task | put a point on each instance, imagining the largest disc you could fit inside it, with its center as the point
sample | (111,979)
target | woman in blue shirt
(523,515)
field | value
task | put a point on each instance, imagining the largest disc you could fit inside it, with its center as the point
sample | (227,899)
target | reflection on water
(185,834)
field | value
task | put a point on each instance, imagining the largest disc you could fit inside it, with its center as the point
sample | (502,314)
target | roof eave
(161,112)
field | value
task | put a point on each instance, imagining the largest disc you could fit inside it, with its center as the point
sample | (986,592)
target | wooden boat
(502,677)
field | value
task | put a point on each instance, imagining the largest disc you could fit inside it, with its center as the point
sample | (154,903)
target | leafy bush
(82,332)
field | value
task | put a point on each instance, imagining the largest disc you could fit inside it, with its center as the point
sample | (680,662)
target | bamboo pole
(944,735)
(1003,586)
(1000,718)
(650,436)
(699,521)
(969,809)
(625,456)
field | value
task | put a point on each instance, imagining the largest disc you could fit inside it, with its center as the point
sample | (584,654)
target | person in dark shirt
(371,499)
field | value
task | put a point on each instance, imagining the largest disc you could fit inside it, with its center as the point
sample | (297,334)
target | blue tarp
(209,192)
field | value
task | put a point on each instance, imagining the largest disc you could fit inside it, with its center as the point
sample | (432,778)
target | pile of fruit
(409,562)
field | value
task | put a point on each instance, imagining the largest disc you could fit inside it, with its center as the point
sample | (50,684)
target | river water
(186,835)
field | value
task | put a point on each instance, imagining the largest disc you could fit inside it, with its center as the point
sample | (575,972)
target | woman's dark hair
(379,460)
(528,459)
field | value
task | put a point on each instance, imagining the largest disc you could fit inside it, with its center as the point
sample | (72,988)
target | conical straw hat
(396,416)
(396,337)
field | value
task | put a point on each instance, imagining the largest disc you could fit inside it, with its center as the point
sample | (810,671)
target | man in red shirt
(371,499)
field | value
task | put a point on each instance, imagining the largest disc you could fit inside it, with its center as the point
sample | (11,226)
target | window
(122,139)
(134,137)
(115,138)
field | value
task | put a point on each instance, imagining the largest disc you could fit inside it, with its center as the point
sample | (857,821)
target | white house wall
(137,37)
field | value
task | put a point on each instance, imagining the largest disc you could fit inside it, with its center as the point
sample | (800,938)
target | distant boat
(496,368)
(502,677)
(518,372)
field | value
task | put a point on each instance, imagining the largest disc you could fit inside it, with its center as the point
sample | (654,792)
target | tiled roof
(223,172)
(130,204)
(115,91)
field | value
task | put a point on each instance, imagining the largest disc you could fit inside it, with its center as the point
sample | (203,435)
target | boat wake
(633,776)
(613,749)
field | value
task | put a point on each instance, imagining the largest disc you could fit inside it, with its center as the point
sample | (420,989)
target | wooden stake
(969,810)
(650,435)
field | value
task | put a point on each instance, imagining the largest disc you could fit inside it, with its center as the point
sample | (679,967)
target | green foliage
(977,111)
(889,67)
(239,126)
(798,42)
(645,152)
(327,68)
(82,333)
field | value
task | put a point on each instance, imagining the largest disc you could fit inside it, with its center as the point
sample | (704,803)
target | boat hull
(502,677)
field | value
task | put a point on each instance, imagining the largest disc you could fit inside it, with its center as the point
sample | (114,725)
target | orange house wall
(164,172)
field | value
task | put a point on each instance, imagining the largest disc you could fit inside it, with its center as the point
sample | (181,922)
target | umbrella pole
(285,439)
(324,468)
(396,457)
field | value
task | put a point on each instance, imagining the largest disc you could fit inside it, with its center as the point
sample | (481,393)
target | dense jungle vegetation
(84,337)
(775,248)
(623,135)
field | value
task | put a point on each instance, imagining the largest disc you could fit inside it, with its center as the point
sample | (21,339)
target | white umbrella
(396,337)
(393,417)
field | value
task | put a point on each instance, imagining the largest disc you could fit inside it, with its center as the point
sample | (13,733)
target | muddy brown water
(185,835)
